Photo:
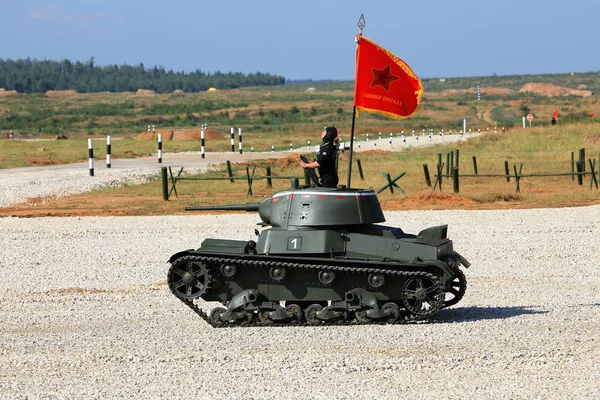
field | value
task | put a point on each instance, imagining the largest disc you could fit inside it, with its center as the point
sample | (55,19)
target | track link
(251,263)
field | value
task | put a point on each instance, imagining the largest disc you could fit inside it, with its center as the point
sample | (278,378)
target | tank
(322,257)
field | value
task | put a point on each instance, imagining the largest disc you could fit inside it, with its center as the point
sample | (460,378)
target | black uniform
(327,170)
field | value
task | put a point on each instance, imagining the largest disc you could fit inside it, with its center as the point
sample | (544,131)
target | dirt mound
(550,90)
(473,90)
(180,134)
(145,92)
(4,92)
(60,92)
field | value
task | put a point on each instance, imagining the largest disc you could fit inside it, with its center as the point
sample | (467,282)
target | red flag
(555,115)
(592,115)
(384,83)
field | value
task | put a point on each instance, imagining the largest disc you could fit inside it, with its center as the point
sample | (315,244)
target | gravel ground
(86,314)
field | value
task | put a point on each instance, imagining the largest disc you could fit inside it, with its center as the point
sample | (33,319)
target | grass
(540,150)
(300,116)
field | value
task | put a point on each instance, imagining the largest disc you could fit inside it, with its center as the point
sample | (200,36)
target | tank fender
(180,254)
(436,263)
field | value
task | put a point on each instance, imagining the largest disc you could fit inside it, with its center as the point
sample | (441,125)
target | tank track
(250,263)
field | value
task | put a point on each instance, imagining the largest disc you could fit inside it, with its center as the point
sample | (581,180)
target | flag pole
(361,25)
(351,147)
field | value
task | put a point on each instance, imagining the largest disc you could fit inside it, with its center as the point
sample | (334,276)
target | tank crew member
(326,158)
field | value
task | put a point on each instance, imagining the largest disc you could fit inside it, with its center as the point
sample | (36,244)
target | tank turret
(304,207)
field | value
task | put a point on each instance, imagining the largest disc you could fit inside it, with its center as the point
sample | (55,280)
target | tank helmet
(330,134)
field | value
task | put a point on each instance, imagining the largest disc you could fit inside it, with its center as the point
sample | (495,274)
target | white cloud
(57,13)
(49,12)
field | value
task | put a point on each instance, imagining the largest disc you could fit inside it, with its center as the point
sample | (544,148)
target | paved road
(187,160)
(194,159)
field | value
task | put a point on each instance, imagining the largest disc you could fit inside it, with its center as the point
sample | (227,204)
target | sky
(308,39)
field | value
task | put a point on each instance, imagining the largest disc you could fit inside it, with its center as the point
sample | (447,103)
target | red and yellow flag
(384,83)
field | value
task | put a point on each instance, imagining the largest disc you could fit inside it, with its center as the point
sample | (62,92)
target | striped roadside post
(202,143)
(240,139)
(232,140)
(160,148)
(91,157)
(108,152)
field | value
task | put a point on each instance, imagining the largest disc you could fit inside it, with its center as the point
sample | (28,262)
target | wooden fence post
(229,172)
(475,165)
(506,171)
(269,181)
(360,171)
(573,166)
(165,183)
(427,177)
(456,155)
(455,185)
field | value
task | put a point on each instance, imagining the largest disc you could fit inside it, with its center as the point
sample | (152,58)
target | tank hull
(348,284)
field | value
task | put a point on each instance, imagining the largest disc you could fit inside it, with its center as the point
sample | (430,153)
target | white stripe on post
(202,143)
(91,157)
(240,136)
(232,140)
(160,148)
(108,152)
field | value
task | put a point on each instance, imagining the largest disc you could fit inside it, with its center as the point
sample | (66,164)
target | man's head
(329,134)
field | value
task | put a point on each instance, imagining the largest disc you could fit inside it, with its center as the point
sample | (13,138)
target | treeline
(35,76)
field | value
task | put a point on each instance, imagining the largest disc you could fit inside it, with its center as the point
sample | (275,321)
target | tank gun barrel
(250,207)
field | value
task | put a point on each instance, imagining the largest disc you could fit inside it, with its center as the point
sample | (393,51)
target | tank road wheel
(188,279)
(263,317)
(393,310)
(296,311)
(361,316)
(311,314)
(455,290)
(215,316)
(246,319)
(422,296)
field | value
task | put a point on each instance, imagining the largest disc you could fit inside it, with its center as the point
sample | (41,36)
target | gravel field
(86,314)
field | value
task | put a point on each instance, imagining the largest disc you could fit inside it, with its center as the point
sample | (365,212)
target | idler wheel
(393,311)
(311,314)
(278,274)
(215,316)
(228,270)
(455,290)
(326,277)
(189,279)
(422,296)
(376,280)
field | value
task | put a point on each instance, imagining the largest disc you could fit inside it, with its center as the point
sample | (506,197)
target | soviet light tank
(323,257)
